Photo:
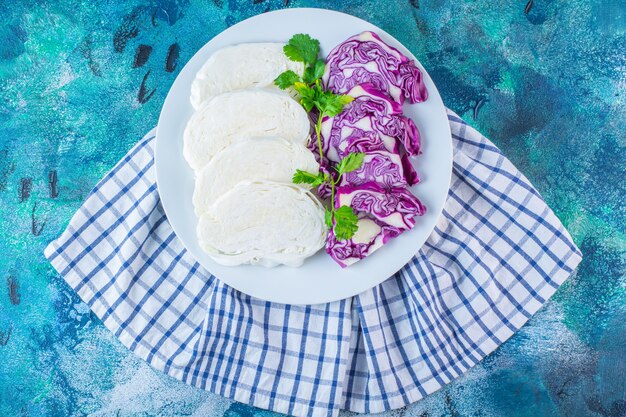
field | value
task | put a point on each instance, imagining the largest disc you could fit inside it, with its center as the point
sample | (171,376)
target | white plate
(320,279)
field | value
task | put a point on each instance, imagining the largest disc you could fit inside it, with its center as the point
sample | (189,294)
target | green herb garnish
(303,177)
(344,218)
(303,48)
(287,79)
(350,163)
(345,223)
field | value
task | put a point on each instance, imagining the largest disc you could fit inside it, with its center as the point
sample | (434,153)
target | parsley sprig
(303,48)
(343,219)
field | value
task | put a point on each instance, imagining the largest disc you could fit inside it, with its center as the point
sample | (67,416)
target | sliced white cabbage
(273,158)
(247,65)
(232,117)
(263,223)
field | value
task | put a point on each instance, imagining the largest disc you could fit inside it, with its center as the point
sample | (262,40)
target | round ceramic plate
(320,279)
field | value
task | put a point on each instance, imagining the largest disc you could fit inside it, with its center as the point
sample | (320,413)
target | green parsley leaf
(328,218)
(351,162)
(287,79)
(319,68)
(307,95)
(308,76)
(303,89)
(303,177)
(302,48)
(333,104)
(345,223)
(318,89)
(307,103)
(313,73)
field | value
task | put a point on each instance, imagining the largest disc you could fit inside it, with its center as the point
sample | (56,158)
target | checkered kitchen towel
(495,257)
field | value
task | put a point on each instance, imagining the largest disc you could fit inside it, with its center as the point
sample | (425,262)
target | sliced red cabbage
(400,128)
(338,143)
(358,140)
(403,129)
(382,167)
(365,58)
(370,236)
(370,111)
(379,78)
(369,100)
(395,207)
(411,175)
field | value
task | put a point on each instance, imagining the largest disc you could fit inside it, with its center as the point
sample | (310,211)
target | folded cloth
(495,257)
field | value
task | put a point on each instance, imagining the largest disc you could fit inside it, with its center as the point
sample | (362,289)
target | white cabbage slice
(233,117)
(263,223)
(237,67)
(272,158)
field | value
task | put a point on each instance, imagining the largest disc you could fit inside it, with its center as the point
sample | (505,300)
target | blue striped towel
(495,257)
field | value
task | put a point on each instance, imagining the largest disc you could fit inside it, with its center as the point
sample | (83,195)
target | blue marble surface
(81,81)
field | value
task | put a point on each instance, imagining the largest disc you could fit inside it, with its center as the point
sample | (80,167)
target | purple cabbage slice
(403,129)
(410,174)
(339,142)
(369,100)
(370,236)
(358,140)
(370,111)
(382,167)
(383,215)
(395,207)
(365,58)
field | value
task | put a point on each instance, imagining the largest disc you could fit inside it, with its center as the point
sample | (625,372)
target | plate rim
(159,174)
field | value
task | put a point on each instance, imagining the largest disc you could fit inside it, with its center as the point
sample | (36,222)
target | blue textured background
(81,81)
